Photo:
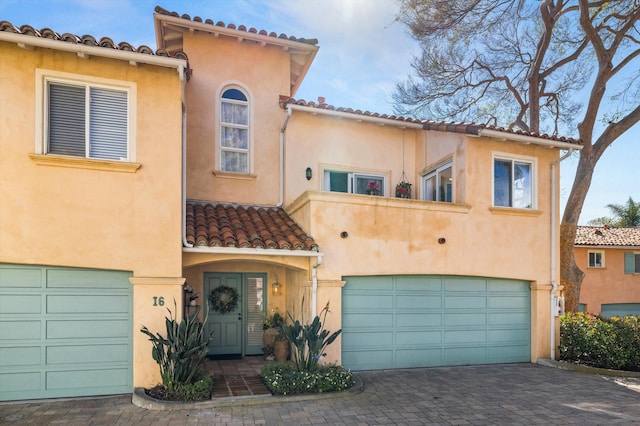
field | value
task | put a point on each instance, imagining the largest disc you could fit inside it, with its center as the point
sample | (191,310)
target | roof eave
(83,50)
(608,246)
(355,117)
(495,134)
(294,46)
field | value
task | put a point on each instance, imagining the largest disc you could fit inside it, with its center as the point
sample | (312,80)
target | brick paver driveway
(517,394)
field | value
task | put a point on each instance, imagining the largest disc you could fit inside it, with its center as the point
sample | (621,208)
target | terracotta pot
(268,338)
(281,350)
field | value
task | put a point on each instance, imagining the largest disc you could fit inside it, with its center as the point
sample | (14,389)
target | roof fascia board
(355,117)
(252,251)
(528,139)
(607,246)
(104,52)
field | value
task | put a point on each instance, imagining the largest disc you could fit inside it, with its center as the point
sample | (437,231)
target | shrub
(181,353)
(612,343)
(199,390)
(284,379)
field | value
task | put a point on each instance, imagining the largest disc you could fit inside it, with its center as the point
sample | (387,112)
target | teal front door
(239,331)
(226,326)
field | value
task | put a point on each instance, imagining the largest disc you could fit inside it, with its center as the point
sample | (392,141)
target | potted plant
(281,348)
(403,190)
(373,188)
(271,327)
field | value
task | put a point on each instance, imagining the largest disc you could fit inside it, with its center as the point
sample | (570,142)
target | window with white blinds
(87,121)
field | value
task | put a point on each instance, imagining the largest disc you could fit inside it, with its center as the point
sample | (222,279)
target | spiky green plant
(308,341)
(182,351)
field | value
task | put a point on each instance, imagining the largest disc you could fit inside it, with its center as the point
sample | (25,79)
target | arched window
(234,131)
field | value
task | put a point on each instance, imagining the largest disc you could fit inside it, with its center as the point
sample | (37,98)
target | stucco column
(152,296)
(330,292)
(540,320)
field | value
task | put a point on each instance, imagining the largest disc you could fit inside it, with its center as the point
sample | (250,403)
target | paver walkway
(516,394)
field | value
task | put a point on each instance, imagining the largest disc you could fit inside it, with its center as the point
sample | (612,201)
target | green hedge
(612,343)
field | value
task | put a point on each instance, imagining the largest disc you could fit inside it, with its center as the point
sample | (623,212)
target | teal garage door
(427,321)
(64,332)
(620,309)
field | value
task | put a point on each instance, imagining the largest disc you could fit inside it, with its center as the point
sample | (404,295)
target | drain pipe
(314,285)
(554,284)
(185,243)
(283,128)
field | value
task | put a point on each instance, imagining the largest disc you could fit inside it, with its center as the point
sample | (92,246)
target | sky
(363,53)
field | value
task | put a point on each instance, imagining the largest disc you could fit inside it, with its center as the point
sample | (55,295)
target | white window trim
(233,84)
(601,257)
(534,181)
(43,77)
(434,170)
(352,173)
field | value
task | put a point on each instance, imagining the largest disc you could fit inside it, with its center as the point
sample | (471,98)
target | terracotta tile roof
(608,236)
(224,225)
(441,126)
(87,40)
(159,10)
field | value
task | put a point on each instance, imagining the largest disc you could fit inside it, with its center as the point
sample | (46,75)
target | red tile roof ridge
(161,11)
(470,128)
(88,40)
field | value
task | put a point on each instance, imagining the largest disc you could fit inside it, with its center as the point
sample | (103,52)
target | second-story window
(86,120)
(513,183)
(596,259)
(234,131)
(437,185)
(354,183)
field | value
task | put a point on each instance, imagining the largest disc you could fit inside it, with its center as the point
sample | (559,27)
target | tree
(527,64)
(625,214)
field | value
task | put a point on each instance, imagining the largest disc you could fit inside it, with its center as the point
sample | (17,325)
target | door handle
(239,316)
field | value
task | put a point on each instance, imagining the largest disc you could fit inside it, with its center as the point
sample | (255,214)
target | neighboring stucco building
(609,256)
(288,203)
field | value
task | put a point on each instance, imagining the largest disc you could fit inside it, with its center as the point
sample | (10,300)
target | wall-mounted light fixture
(308,173)
(275,286)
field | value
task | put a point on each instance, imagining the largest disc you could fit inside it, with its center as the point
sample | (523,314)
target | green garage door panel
(64,332)
(428,321)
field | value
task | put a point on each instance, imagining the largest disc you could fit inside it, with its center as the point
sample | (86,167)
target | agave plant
(308,341)
(182,351)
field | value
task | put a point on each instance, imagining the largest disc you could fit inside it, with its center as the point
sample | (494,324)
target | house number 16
(158,301)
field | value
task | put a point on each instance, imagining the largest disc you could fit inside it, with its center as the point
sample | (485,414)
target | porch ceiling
(210,224)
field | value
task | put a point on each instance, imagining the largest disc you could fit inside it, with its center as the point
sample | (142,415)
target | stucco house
(609,256)
(212,175)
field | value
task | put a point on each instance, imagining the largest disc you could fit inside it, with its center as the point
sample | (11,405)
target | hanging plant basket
(223,299)
(403,190)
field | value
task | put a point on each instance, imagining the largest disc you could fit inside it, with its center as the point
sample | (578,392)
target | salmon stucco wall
(368,235)
(263,83)
(608,284)
(87,213)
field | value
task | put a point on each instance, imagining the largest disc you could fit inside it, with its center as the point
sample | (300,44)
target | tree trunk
(570,275)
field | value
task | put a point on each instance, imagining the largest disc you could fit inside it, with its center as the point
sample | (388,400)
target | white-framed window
(234,130)
(87,117)
(514,182)
(354,183)
(632,263)
(596,259)
(437,184)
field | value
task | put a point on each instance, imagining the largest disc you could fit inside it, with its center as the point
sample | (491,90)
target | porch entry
(238,331)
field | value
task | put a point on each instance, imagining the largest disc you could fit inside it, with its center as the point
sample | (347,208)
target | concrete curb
(586,369)
(140,399)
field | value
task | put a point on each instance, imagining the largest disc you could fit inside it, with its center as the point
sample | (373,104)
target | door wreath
(223,299)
